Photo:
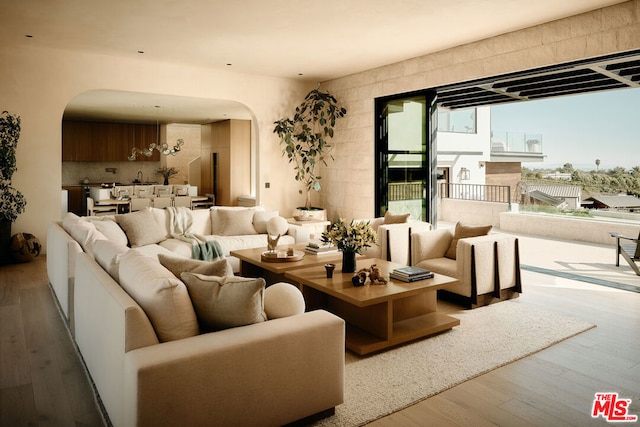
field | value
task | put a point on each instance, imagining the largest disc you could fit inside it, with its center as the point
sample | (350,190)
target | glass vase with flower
(350,238)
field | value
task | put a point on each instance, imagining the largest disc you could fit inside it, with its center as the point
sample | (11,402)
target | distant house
(558,175)
(561,196)
(618,203)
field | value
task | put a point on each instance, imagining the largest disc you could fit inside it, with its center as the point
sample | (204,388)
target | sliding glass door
(406,153)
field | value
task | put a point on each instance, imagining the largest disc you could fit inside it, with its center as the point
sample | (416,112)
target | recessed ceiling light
(229,65)
(141,51)
(300,74)
(29,36)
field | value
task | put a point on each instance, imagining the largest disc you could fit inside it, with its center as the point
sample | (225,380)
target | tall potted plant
(305,137)
(12,202)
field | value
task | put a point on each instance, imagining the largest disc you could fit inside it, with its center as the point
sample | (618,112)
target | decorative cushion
(82,231)
(282,300)
(215,218)
(141,228)
(226,302)
(162,296)
(107,254)
(111,230)
(201,222)
(462,232)
(390,218)
(177,265)
(277,225)
(236,223)
(260,219)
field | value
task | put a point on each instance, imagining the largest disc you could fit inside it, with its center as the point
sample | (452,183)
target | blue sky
(579,129)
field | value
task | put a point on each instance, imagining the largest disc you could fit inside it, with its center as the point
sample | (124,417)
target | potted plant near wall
(166,173)
(305,138)
(12,202)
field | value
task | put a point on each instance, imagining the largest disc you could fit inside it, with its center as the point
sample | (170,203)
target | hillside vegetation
(606,182)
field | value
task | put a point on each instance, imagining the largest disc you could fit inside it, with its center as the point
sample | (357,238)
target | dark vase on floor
(348,262)
(5,239)
(166,180)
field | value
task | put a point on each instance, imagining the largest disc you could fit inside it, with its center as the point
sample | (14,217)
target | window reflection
(457,121)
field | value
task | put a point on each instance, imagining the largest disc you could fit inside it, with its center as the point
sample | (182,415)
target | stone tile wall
(348,182)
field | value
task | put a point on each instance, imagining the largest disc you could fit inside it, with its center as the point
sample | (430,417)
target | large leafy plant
(305,137)
(12,202)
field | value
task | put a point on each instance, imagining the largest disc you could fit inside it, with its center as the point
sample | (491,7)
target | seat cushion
(226,302)
(464,231)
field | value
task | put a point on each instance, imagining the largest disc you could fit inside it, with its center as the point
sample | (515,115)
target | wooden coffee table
(377,316)
(252,265)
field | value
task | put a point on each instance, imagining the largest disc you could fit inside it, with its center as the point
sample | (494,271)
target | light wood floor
(42,382)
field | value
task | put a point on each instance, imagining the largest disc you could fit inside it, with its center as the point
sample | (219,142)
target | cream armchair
(488,267)
(394,240)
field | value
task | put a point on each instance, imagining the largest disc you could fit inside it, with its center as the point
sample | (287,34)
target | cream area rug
(487,338)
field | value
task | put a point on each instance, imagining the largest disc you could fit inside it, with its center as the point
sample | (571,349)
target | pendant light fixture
(161,148)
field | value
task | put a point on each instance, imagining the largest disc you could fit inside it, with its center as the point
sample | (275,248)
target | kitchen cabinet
(226,160)
(105,142)
(75,204)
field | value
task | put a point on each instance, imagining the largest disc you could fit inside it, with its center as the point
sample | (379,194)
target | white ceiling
(300,39)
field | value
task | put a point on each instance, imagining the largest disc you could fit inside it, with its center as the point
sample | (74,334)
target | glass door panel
(403,147)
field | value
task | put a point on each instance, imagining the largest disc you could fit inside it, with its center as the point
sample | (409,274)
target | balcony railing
(406,191)
(485,193)
(516,142)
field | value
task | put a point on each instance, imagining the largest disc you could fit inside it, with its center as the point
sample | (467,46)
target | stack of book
(410,274)
(320,248)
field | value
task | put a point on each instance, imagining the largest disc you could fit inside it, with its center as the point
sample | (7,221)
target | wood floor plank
(14,366)
(17,407)
(52,402)
(477,405)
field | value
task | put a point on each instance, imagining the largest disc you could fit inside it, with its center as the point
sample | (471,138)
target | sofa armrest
(429,244)
(395,240)
(284,369)
(496,262)
(108,324)
(61,254)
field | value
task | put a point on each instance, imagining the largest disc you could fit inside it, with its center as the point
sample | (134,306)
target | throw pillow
(215,219)
(141,228)
(390,218)
(111,230)
(464,231)
(283,300)
(162,296)
(277,225)
(236,223)
(107,254)
(226,302)
(260,219)
(83,232)
(177,265)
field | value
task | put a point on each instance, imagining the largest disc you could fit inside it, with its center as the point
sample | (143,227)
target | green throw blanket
(180,222)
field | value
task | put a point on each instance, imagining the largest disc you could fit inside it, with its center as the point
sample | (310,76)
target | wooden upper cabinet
(105,142)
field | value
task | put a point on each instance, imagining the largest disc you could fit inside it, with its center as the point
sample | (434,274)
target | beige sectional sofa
(150,347)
